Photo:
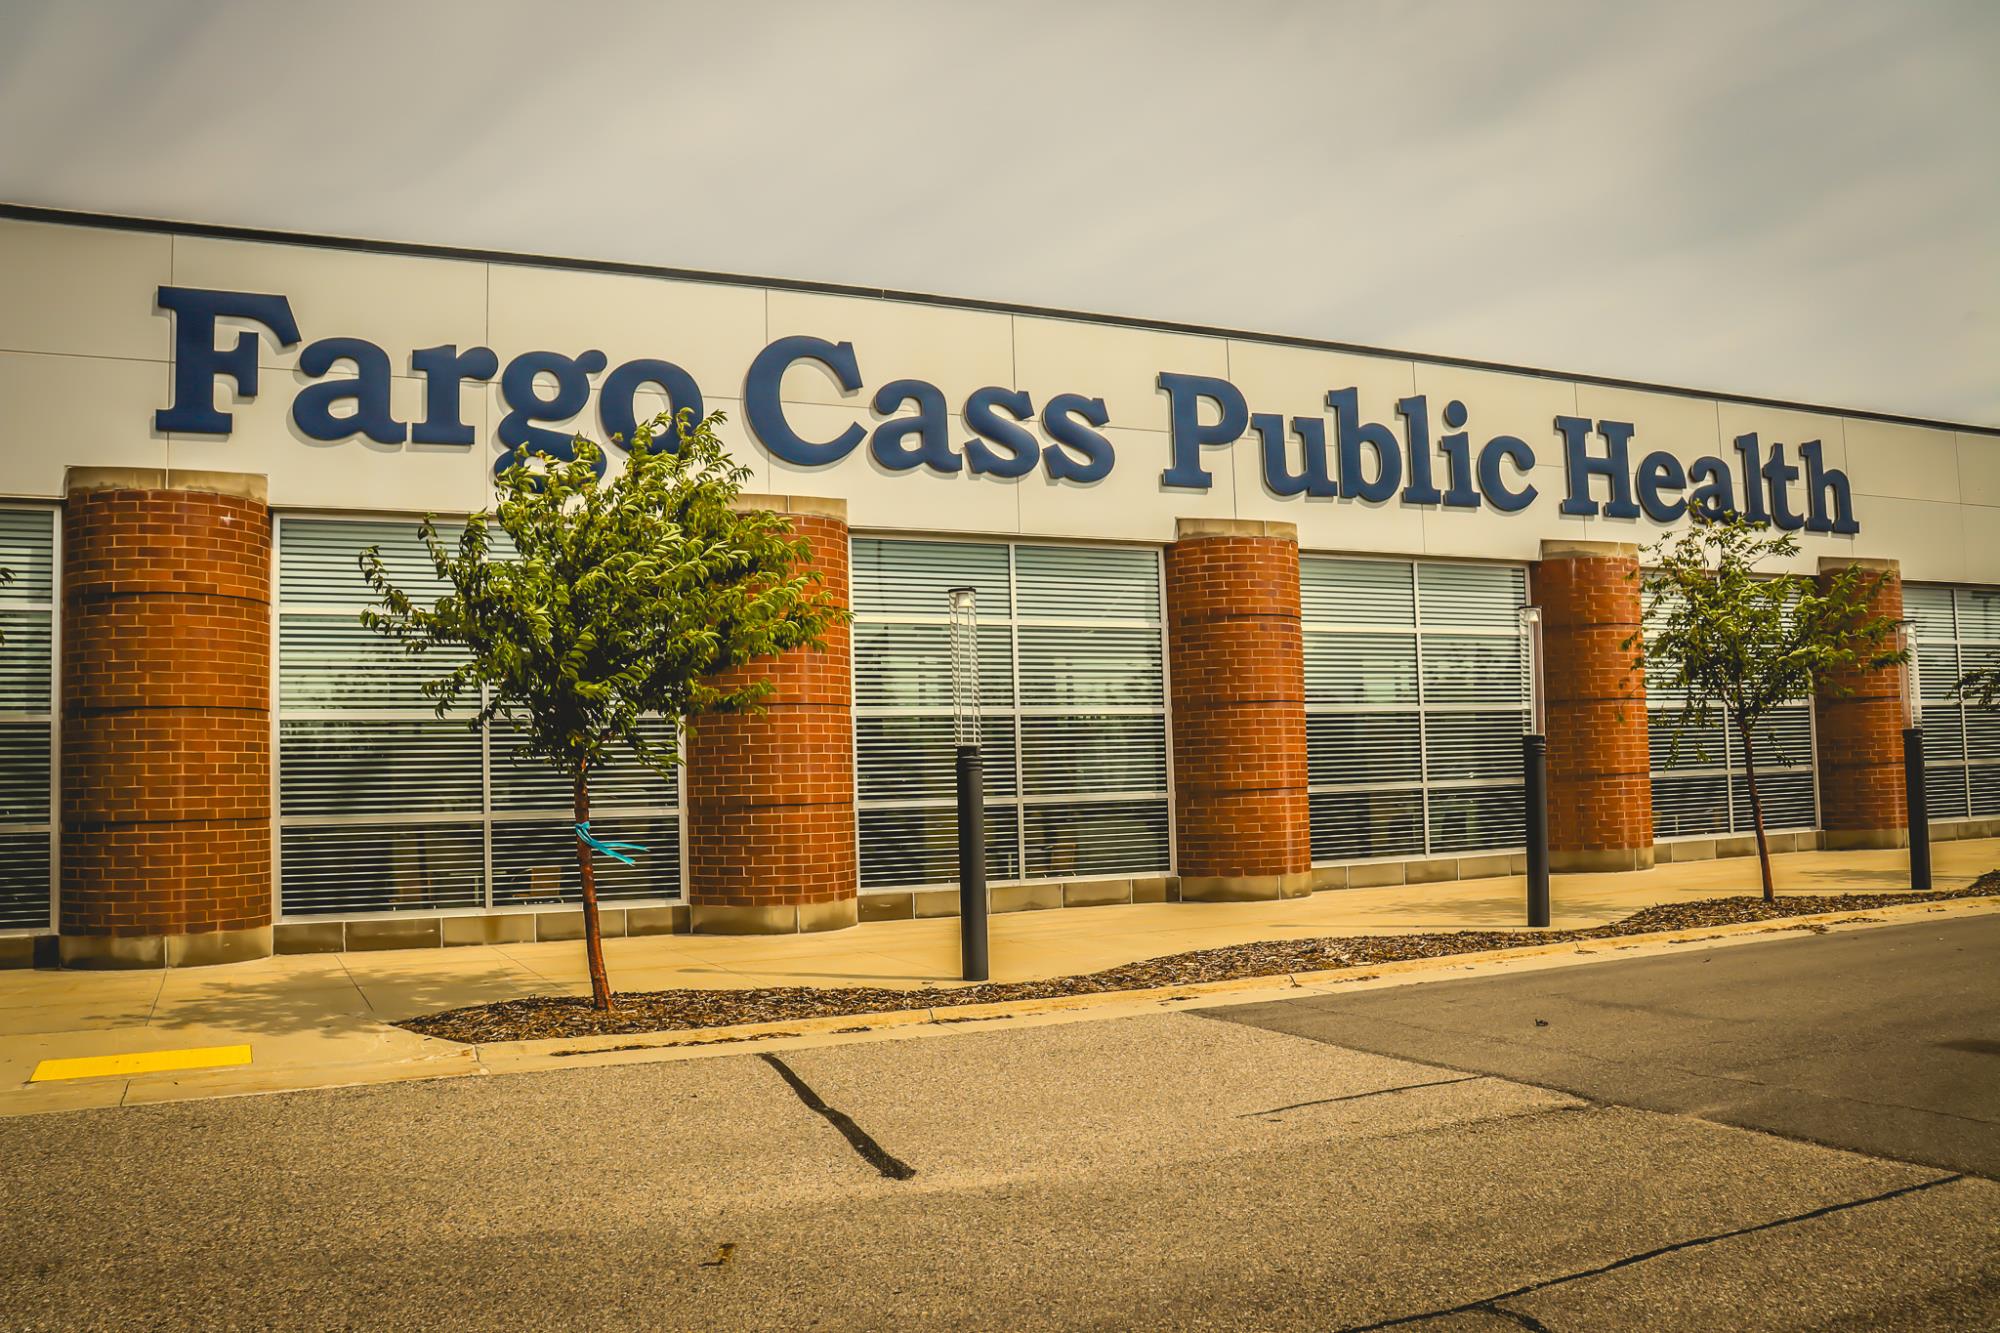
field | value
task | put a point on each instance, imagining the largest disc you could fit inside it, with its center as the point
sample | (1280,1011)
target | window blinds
(383,806)
(1701,787)
(27,717)
(1416,698)
(1958,630)
(1073,702)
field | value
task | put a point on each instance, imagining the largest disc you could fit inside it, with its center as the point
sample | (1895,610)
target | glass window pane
(909,666)
(1945,795)
(1093,838)
(1086,583)
(1477,819)
(1357,592)
(24,773)
(377,767)
(1685,807)
(1472,596)
(1458,746)
(1360,668)
(380,868)
(1370,748)
(911,578)
(915,758)
(534,861)
(1787,797)
(918,847)
(26,662)
(24,881)
(1084,754)
(1066,667)
(523,783)
(1351,825)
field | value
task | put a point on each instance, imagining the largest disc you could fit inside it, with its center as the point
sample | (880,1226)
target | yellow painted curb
(140,1062)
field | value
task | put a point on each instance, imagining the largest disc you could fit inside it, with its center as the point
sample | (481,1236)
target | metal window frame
(485,817)
(1017,712)
(53,721)
(1420,706)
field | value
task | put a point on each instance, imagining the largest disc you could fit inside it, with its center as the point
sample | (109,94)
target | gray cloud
(1797,200)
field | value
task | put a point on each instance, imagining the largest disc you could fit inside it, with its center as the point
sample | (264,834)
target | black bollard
(1535,771)
(1919,813)
(971,863)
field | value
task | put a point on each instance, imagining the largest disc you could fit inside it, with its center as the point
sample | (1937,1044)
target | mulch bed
(682,1010)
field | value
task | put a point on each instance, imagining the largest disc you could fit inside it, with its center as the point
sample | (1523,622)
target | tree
(620,600)
(1979,686)
(1744,643)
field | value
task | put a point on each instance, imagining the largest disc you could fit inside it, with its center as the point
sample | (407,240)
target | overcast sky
(1783,199)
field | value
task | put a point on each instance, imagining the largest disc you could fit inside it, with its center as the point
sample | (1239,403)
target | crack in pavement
(1492,1303)
(1358,1096)
(857,1138)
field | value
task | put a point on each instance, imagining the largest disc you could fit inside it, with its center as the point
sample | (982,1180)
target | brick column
(1236,661)
(166,718)
(1600,774)
(770,796)
(1860,734)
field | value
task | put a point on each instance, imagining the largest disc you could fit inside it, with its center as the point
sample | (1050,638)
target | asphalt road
(1169,1171)
(1882,1041)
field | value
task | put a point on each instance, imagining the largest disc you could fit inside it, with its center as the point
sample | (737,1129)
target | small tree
(1745,643)
(621,600)
(1978,687)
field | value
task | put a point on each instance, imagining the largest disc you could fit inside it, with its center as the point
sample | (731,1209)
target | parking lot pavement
(1882,1041)
(1166,1171)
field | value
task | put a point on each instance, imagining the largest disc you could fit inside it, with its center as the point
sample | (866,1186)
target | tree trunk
(593,934)
(1756,809)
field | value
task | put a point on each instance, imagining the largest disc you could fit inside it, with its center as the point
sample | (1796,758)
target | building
(1250,606)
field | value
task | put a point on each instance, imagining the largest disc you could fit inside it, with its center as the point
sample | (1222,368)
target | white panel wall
(85,360)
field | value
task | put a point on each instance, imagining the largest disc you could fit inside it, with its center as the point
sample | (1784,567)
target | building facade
(1250,607)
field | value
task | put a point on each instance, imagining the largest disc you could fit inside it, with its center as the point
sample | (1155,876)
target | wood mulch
(681,1010)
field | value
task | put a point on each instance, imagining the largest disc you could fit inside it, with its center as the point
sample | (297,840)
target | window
(1073,702)
(1701,788)
(1958,630)
(27,717)
(383,806)
(1416,699)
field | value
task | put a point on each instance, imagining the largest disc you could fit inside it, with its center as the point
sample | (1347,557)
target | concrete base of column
(109,952)
(780,919)
(1245,888)
(1600,860)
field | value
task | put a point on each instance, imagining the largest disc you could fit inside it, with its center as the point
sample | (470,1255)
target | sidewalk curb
(693,1043)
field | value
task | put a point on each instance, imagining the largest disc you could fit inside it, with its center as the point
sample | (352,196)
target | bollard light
(1916,801)
(963,604)
(1535,771)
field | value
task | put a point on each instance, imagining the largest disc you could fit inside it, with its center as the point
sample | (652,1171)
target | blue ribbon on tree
(615,850)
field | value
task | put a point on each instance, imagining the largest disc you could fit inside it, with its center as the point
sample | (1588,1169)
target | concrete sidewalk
(323,1019)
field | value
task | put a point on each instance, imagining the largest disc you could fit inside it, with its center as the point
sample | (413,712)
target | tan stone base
(105,952)
(1245,888)
(805,918)
(1598,860)
(889,905)
(431,932)
(1854,840)
(1387,874)
(1737,844)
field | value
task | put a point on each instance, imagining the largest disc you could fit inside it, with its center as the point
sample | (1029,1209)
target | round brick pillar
(1600,771)
(770,796)
(1858,715)
(1236,663)
(166,718)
